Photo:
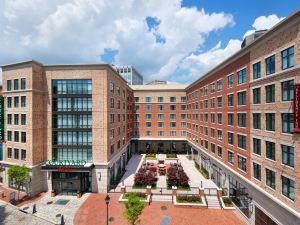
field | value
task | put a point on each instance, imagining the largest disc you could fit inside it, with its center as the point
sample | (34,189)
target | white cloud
(264,23)
(197,65)
(64,31)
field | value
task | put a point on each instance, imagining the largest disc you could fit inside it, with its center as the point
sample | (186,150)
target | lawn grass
(171,156)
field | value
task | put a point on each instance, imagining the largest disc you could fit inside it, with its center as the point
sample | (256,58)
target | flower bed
(189,200)
(150,156)
(171,156)
(227,203)
(144,177)
(176,176)
(141,196)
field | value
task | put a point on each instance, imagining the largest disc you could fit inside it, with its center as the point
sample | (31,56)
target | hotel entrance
(69,183)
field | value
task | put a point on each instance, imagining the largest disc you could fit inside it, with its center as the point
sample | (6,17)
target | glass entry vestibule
(69,183)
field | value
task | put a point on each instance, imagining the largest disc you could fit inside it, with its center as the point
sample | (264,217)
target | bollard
(34,209)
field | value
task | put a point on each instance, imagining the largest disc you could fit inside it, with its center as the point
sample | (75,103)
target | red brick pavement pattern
(93,212)
(24,199)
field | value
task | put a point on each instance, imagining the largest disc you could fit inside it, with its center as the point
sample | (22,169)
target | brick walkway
(93,212)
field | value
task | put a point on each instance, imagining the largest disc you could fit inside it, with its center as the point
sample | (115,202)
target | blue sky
(173,40)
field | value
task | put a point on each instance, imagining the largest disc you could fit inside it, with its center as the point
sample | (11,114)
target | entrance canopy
(67,166)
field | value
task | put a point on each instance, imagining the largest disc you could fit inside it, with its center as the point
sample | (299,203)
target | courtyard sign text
(65,162)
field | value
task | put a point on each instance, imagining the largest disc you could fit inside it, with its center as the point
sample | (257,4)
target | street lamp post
(107,199)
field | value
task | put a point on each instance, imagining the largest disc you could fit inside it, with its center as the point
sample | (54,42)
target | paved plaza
(10,215)
(93,212)
(136,161)
(52,208)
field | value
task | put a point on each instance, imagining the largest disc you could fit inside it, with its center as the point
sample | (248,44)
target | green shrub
(150,155)
(133,208)
(189,199)
(227,201)
(189,157)
(171,156)
(140,195)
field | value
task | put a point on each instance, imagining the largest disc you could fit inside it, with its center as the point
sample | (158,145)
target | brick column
(148,191)
(123,189)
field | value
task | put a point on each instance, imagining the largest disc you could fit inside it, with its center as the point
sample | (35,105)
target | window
(172,116)
(231,157)
(8,85)
(183,99)
(172,107)
(148,133)
(270,121)
(111,86)
(287,122)
(172,124)
(242,76)
(23,101)
(183,124)
(160,99)
(230,138)
(16,84)
(220,137)
(242,119)
(160,107)
(230,119)
(112,103)
(287,90)
(23,137)
(242,141)
(242,163)
(160,116)
(23,83)
(256,121)
(9,119)
(9,135)
(256,96)
(212,117)
(112,149)
(270,65)
(16,119)
(9,153)
(16,102)
(219,118)
(136,99)
(148,116)
(23,119)
(160,124)
(148,107)
(287,58)
(16,153)
(242,98)
(219,101)
(212,147)
(219,84)
(212,103)
(148,124)
(23,154)
(212,132)
(16,135)
(230,81)
(270,93)
(172,133)
(257,146)
(172,99)
(256,71)
(270,178)
(270,150)
(148,99)
(288,187)
(9,102)
(230,100)
(257,171)
(287,153)
(160,133)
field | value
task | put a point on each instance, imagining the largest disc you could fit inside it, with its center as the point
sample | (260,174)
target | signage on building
(297,108)
(65,163)
(1,119)
(64,169)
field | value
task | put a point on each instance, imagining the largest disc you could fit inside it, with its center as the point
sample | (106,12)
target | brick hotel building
(237,121)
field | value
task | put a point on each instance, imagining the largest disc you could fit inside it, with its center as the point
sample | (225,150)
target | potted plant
(53,193)
(78,194)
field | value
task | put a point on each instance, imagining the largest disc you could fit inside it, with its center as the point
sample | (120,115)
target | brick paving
(93,212)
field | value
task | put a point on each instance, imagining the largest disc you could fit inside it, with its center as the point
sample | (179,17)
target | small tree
(19,174)
(134,208)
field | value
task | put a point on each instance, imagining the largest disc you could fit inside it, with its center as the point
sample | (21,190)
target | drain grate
(111,219)
(164,207)
(61,202)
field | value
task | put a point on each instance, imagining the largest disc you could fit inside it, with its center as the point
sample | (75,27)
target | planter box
(203,204)
(121,199)
(226,207)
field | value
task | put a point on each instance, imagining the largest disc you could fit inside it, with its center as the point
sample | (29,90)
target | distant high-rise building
(130,74)
(157,82)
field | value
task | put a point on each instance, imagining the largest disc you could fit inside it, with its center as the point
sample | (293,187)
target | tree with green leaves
(18,174)
(133,208)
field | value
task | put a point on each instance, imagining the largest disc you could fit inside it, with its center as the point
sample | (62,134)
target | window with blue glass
(287,153)
(287,58)
(270,65)
(242,76)
(72,86)
(288,187)
(256,71)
